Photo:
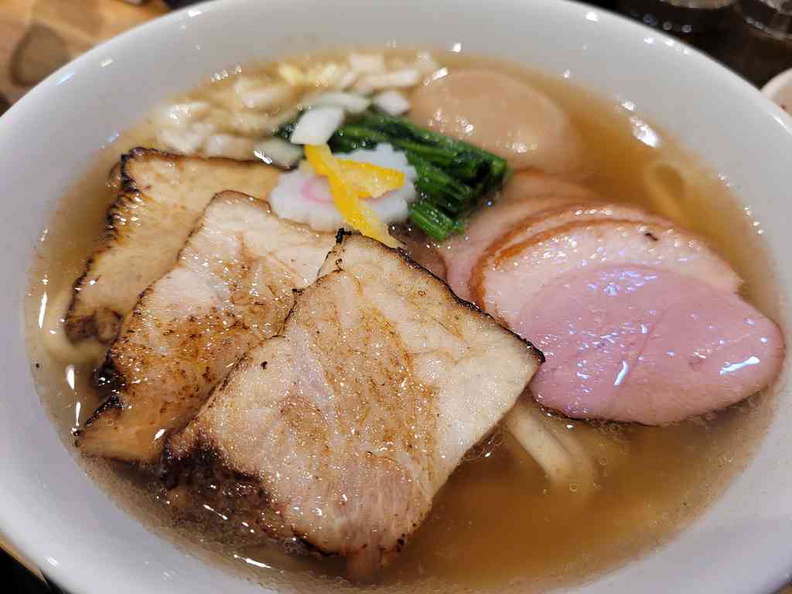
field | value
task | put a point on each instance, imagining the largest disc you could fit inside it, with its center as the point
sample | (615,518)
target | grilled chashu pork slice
(343,428)
(231,288)
(161,198)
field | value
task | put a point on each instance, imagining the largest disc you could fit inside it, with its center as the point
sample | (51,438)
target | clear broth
(497,524)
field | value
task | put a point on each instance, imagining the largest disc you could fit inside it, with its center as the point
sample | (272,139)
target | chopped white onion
(181,114)
(438,74)
(347,80)
(266,97)
(246,123)
(350,102)
(367,63)
(392,102)
(400,79)
(325,75)
(286,115)
(226,145)
(184,142)
(279,152)
(291,74)
(425,63)
(317,125)
(205,129)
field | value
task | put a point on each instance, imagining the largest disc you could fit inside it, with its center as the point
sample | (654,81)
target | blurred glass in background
(763,42)
(753,37)
(679,16)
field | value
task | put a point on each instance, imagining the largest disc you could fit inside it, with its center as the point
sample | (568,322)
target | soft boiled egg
(503,115)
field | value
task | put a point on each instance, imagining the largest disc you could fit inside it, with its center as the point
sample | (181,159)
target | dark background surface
(20,579)
(727,41)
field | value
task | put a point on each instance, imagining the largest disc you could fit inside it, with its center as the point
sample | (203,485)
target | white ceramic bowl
(64,523)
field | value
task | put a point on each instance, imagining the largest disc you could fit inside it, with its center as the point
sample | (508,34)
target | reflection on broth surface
(498,522)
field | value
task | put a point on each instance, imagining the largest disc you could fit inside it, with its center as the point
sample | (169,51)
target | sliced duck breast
(525,196)
(545,220)
(646,344)
(462,252)
(514,280)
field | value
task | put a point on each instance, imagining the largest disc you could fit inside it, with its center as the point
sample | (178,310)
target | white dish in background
(779,90)
(67,525)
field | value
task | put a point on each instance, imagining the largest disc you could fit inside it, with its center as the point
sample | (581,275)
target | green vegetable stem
(454,177)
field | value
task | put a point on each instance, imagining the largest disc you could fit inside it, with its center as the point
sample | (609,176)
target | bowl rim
(15,533)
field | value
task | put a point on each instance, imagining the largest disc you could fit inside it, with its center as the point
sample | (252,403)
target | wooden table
(39,36)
